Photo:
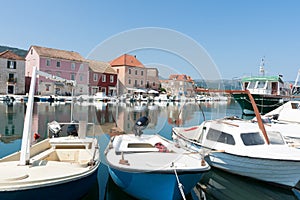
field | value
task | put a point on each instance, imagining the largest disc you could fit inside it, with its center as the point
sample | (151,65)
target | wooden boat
(54,168)
(269,92)
(151,167)
(239,147)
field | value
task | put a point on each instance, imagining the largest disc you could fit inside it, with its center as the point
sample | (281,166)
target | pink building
(65,64)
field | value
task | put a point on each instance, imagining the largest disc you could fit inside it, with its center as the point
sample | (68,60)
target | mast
(26,137)
(262,67)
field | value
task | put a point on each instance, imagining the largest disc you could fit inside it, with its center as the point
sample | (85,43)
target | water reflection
(109,117)
(218,184)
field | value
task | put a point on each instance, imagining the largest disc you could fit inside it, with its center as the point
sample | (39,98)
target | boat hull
(284,173)
(264,103)
(73,189)
(154,185)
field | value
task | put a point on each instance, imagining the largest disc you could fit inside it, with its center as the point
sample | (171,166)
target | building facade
(12,75)
(68,65)
(132,74)
(103,78)
(179,85)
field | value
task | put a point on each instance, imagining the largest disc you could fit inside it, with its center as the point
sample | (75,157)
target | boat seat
(42,155)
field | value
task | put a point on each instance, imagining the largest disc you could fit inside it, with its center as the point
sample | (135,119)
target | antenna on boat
(262,67)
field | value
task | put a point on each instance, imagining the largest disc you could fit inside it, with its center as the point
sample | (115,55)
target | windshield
(252,139)
(275,137)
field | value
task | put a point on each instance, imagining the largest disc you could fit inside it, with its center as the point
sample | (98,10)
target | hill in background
(19,52)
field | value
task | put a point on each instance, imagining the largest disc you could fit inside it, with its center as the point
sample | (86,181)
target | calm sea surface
(163,116)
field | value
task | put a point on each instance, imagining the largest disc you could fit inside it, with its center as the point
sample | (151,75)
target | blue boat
(152,167)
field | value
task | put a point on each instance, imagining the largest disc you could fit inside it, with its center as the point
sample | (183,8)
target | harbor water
(111,118)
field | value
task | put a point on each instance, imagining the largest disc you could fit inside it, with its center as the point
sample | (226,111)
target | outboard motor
(72,129)
(140,125)
(54,128)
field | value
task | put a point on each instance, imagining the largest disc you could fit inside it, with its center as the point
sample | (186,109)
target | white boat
(286,113)
(54,168)
(151,167)
(285,119)
(240,147)
(100,96)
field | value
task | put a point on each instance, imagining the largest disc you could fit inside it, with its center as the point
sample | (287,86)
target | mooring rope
(180,186)
(262,105)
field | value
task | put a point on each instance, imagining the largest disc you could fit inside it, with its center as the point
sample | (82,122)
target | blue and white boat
(241,147)
(152,167)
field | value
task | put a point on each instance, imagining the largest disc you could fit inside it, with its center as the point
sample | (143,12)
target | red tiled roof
(180,77)
(126,60)
(57,53)
(10,55)
(101,67)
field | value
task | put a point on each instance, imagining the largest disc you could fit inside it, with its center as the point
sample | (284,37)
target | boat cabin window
(260,84)
(219,136)
(275,137)
(140,145)
(252,139)
(251,85)
(295,105)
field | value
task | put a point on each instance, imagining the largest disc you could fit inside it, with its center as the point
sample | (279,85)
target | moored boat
(239,147)
(54,168)
(269,92)
(152,167)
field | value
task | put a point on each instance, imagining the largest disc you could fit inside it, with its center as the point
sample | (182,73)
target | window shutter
(8,64)
(15,64)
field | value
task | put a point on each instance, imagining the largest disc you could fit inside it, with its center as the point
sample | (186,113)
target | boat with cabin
(269,92)
(242,147)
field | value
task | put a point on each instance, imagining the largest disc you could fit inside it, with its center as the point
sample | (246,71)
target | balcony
(12,80)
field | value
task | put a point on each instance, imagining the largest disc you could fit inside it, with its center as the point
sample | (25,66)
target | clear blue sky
(236,34)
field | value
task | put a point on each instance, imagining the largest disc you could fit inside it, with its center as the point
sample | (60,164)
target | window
(136,72)
(103,78)
(31,51)
(81,77)
(95,77)
(153,84)
(11,64)
(111,78)
(261,84)
(129,81)
(275,137)
(142,73)
(58,64)
(81,67)
(94,90)
(11,77)
(47,87)
(135,83)
(252,139)
(117,70)
(73,76)
(73,66)
(48,62)
(219,136)
(142,82)
(58,74)
(129,71)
